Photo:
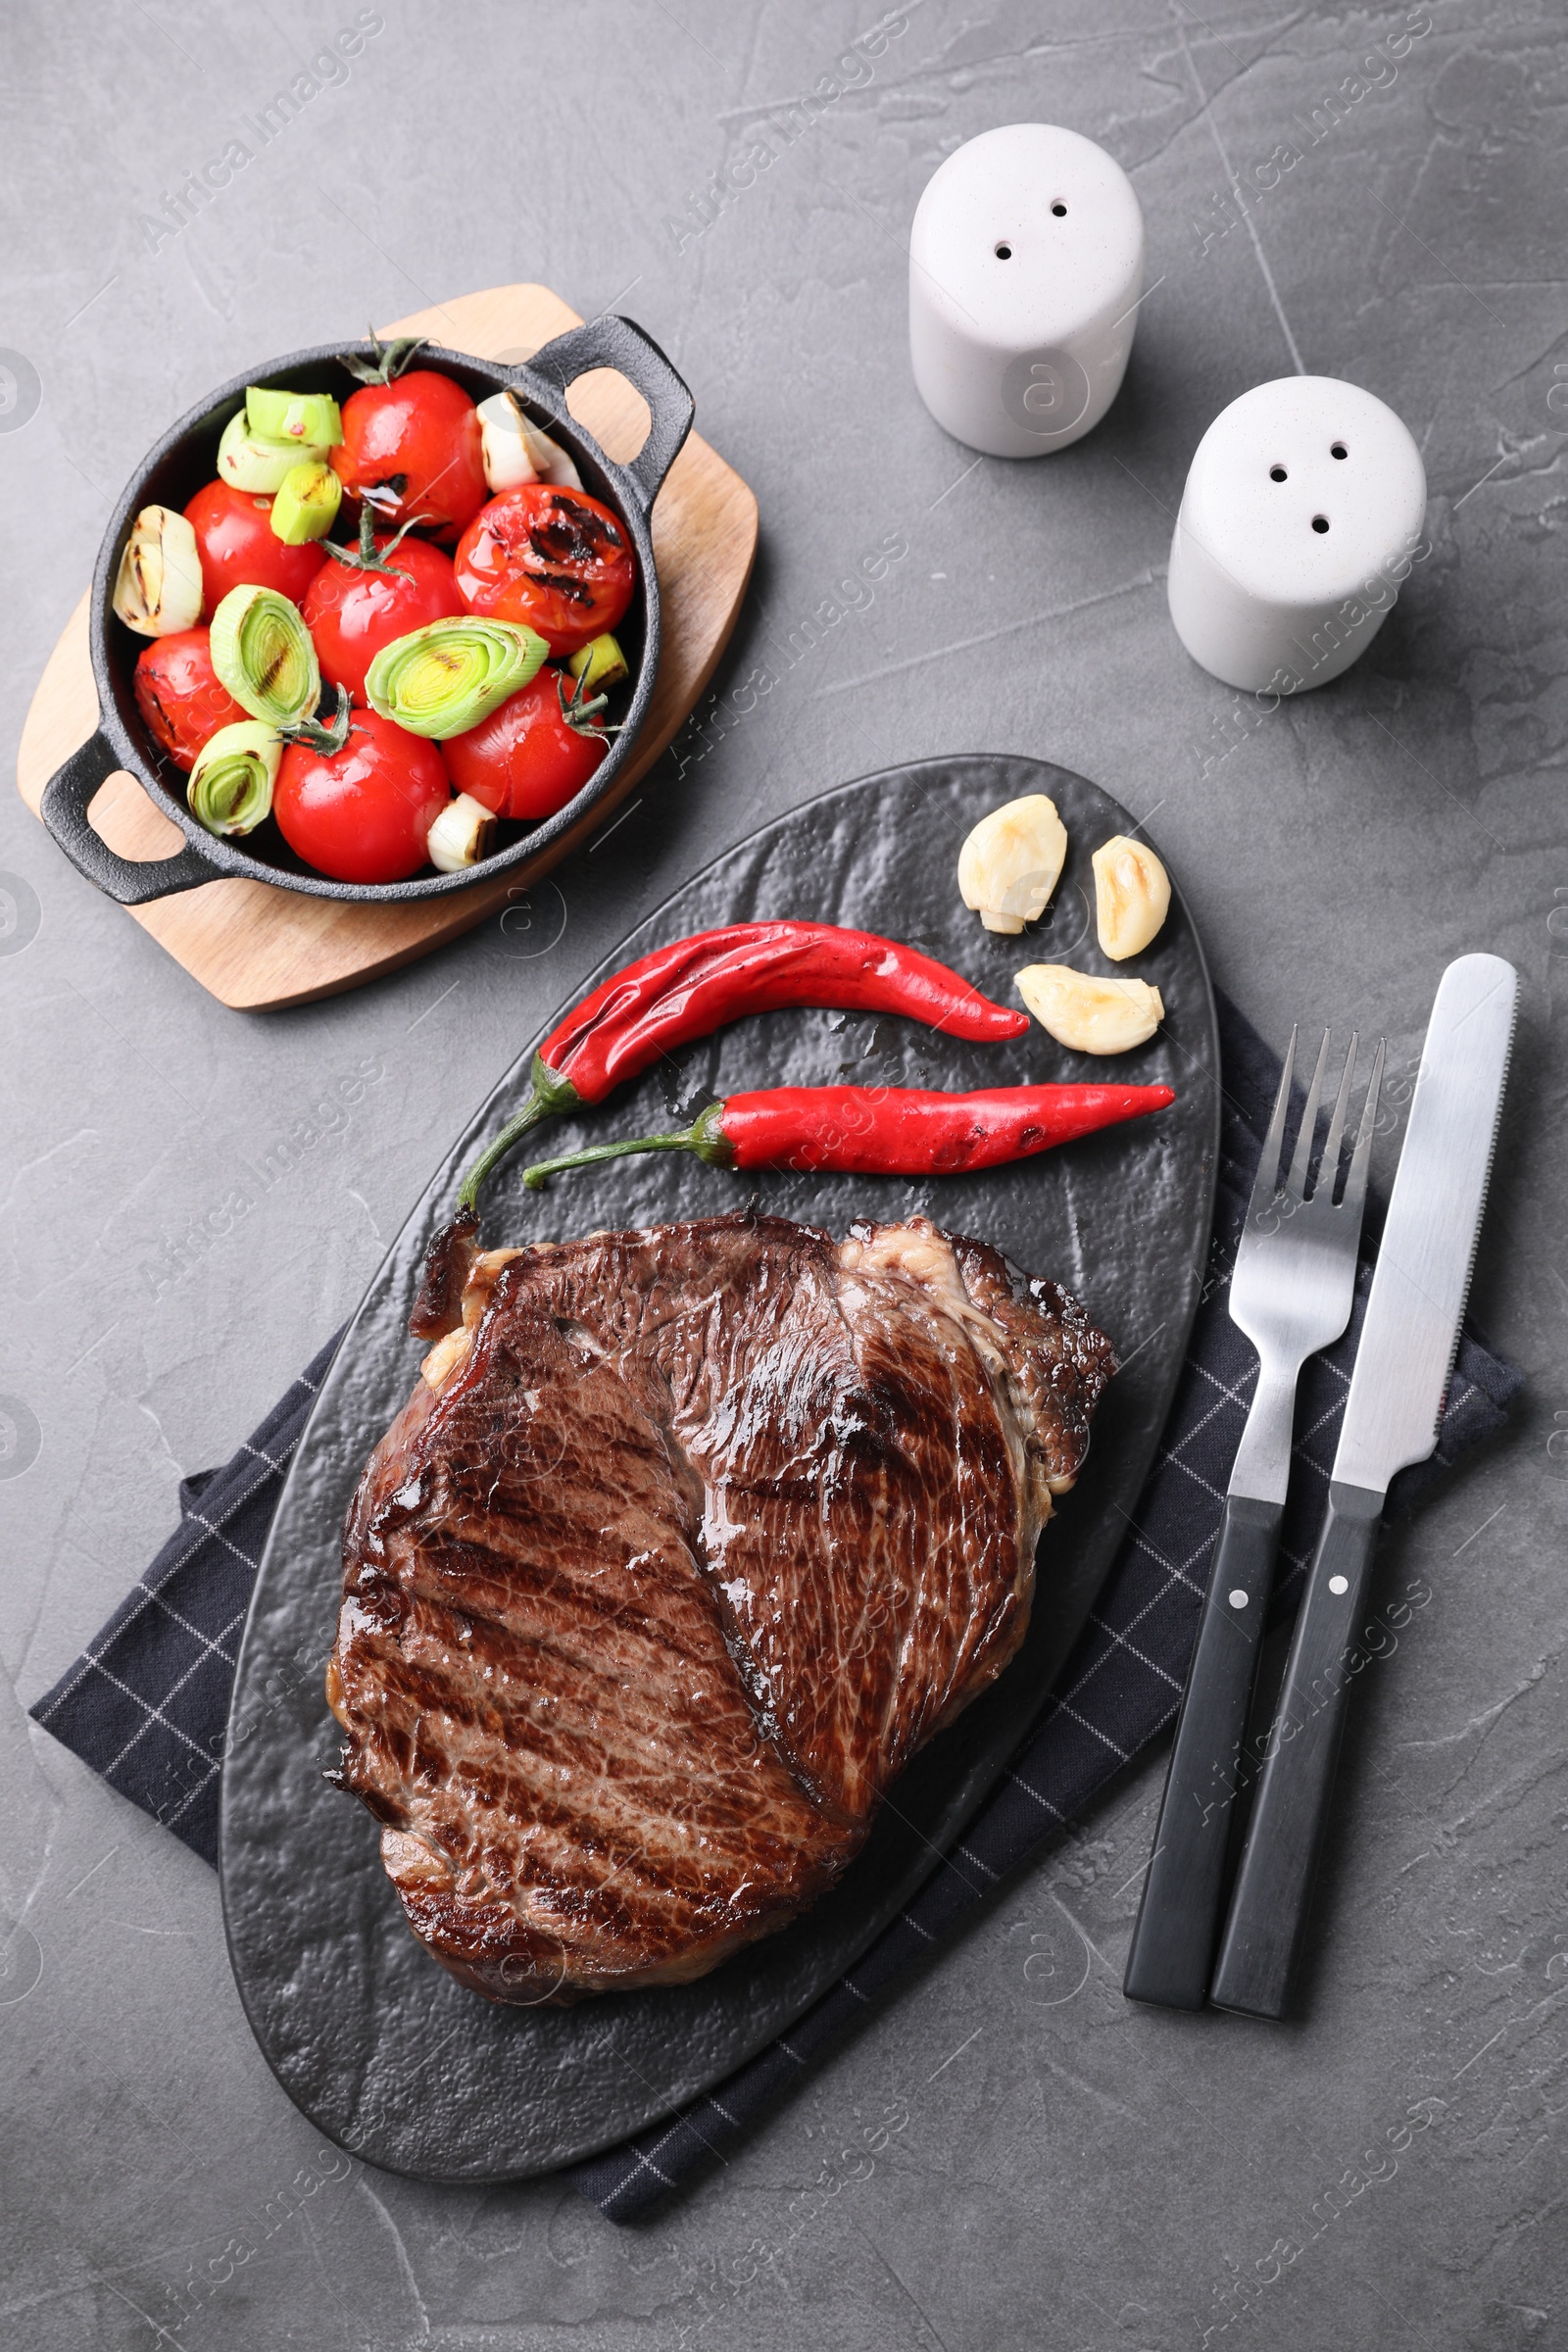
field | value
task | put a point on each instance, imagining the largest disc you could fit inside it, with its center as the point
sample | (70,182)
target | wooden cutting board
(255,947)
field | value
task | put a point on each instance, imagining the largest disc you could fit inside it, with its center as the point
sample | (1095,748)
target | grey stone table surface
(191,1199)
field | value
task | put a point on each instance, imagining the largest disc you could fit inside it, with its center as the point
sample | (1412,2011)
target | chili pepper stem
(532,1114)
(548,1094)
(534,1177)
(703,1136)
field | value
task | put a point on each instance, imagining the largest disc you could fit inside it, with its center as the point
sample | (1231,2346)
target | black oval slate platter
(385,2053)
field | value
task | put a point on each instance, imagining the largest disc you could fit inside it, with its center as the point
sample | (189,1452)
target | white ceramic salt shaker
(1026,263)
(1301,517)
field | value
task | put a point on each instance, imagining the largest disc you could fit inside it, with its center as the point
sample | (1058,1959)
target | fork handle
(1178,1919)
(1267,1927)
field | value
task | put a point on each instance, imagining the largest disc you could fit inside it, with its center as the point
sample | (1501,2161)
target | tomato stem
(391,357)
(366,556)
(580,715)
(328,739)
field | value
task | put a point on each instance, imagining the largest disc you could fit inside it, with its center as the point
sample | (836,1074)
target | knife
(1409,1339)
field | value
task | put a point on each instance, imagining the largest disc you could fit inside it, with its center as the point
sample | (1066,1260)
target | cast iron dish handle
(614,342)
(64,810)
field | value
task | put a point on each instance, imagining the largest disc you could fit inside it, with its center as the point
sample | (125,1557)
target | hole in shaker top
(1339,450)
(1276,473)
(1321,522)
(1059,210)
(1004,251)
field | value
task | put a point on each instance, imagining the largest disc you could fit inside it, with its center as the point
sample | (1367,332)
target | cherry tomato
(352,611)
(555,559)
(362,814)
(535,754)
(413,449)
(239,548)
(179,694)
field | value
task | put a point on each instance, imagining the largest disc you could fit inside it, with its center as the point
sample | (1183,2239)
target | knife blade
(1409,1339)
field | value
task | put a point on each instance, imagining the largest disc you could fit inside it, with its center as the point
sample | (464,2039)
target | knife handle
(1266,1926)
(1173,1940)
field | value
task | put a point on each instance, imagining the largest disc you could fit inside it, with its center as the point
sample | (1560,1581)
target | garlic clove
(514,451)
(506,463)
(1132,897)
(1012,861)
(461,835)
(1090,1015)
(158,588)
(550,461)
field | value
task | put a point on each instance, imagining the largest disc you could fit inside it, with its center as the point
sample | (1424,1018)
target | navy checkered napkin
(147,1705)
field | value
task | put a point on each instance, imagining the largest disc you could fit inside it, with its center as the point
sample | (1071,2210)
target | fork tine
(1295,1185)
(1328,1167)
(1266,1183)
(1355,1181)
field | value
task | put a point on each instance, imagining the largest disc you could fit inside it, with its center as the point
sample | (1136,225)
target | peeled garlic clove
(1132,897)
(504,453)
(1088,1014)
(514,451)
(158,588)
(1011,862)
(461,835)
(548,459)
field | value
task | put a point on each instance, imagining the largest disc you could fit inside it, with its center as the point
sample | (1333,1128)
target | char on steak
(687,1540)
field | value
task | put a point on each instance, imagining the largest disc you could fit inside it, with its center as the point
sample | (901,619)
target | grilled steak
(687,1540)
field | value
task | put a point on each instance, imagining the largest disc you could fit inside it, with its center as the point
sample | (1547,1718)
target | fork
(1292,1290)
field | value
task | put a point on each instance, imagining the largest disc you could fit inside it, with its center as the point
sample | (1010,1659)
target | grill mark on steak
(699,1532)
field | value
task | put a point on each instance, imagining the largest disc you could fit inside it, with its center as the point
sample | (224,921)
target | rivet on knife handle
(1267,1922)
(1178,1918)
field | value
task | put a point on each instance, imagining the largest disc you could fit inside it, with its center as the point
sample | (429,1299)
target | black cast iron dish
(384,2051)
(187,455)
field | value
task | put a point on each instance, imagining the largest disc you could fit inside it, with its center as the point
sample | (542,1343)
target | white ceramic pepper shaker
(1026,263)
(1301,517)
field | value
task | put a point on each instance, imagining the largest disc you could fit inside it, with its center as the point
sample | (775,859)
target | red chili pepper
(883,1131)
(695,986)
